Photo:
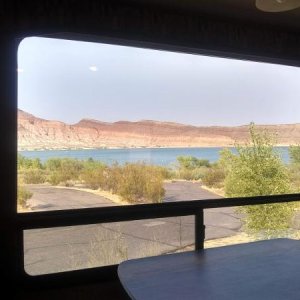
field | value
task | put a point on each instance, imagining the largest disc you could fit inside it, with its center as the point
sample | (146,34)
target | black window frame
(12,223)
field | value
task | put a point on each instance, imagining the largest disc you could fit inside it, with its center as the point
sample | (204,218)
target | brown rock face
(37,133)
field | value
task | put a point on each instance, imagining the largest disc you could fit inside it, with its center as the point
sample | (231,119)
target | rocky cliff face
(37,133)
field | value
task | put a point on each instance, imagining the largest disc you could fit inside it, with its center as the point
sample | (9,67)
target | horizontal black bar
(87,216)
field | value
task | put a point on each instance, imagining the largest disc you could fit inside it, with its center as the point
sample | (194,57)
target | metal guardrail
(76,217)
(87,216)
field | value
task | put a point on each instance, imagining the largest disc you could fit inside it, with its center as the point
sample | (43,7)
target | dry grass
(217,191)
(108,247)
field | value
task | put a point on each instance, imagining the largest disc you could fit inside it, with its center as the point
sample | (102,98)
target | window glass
(53,250)
(105,125)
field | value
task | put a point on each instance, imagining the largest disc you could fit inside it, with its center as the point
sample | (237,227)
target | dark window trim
(23,221)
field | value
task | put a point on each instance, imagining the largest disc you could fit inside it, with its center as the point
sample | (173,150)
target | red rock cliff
(37,133)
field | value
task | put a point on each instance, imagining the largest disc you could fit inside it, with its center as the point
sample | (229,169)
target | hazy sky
(69,80)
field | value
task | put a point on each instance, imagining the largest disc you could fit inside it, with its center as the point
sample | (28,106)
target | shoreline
(136,148)
(121,148)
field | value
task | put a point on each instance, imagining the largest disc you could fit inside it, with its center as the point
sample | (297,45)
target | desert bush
(62,170)
(22,196)
(93,174)
(55,178)
(194,174)
(132,183)
(113,177)
(138,182)
(27,163)
(214,177)
(33,176)
(166,173)
(153,189)
(185,174)
(30,170)
(191,168)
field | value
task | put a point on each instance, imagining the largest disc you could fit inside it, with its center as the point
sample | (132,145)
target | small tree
(257,170)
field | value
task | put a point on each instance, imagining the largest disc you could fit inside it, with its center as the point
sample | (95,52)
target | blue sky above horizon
(70,80)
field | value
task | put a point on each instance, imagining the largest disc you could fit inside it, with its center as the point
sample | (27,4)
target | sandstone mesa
(39,134)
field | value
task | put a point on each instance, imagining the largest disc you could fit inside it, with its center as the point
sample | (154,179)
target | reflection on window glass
(102,125)
(60,249)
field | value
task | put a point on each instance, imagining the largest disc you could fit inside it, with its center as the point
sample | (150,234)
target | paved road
(55,198)
(59,249)
(186,190)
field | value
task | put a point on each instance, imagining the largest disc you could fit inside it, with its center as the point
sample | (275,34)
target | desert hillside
(36,133)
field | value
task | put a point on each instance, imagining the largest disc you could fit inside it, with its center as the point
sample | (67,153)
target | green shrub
(26,163)
(294,168)
(294,152)
(268,220)
(23,196)
(294,175)
(191,162)
(256,170)
(62,170)
(56,177)
(191,168)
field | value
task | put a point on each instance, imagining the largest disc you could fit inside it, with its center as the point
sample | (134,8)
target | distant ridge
(37,134)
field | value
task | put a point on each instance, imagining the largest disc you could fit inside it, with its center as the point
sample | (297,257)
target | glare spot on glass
(93,68)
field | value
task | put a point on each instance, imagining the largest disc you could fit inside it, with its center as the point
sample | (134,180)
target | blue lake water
(157,156)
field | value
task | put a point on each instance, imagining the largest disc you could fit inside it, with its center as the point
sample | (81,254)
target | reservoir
(155,156)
